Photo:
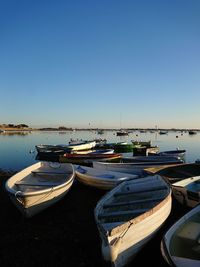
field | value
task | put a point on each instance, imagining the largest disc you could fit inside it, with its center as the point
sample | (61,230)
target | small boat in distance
(39,186)
(192,132)
(122,132)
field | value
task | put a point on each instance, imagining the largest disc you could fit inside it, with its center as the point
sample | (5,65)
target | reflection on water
(11,133)
(17,153)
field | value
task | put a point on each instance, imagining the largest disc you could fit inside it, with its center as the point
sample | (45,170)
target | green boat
(120,147)
(123,147)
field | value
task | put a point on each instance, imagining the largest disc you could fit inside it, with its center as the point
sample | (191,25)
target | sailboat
(121,132)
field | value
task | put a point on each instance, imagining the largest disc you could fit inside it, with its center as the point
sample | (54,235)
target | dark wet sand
(65,234)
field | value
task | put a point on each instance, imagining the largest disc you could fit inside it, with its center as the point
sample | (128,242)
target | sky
(100,64)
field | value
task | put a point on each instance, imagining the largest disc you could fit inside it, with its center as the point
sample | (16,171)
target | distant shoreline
(29,129)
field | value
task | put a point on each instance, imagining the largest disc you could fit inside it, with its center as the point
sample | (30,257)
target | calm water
(17,151)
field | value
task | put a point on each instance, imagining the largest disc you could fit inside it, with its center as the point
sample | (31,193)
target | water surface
(17,151)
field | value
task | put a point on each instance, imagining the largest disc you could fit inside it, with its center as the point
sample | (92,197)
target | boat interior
(42,177)
(185,241)
(132,201)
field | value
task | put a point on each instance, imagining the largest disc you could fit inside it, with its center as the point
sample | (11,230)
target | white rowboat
(39,186)
(129,215)
(130,167)
(99,178)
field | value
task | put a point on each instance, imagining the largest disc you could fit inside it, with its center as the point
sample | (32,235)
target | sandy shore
(65,234)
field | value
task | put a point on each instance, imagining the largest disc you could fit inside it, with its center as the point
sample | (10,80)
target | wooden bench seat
(121,213)
(47,172)
(146,190)
(36,183)
(139,201)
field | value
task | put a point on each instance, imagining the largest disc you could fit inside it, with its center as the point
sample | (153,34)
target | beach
(65,234)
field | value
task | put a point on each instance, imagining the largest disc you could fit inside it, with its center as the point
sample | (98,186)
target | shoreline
(6,129)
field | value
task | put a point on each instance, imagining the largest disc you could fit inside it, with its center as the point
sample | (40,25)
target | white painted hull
(82,146)
(32,193)
(187,191)
(130,167)
(101,179)
(121,241)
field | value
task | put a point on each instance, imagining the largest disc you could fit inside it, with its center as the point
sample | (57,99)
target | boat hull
(39,186)
(32,205)
(130,215)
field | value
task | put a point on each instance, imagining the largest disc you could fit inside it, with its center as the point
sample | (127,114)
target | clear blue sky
(103,63)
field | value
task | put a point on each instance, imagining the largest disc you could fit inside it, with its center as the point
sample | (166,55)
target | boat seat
(24,183)
(109,176)
(191,231)
(157,188)
(121,213)
(47,172)
(139,201)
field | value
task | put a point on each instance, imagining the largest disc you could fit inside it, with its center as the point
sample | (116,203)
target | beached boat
(130,167)
(39,186)
(180,246)
(187,191)
(177,172)
(129,215)
(99,178)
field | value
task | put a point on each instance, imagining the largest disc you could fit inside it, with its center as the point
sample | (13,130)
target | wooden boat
(39,186)
(177,172)
(91,155)
(180,246)
(130,167)
(96,151)
(99,178)
(88,158)
(151,159)
(77,153)
(177,153)
(129,215)
(52,149)
(82,145)
(187,191)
